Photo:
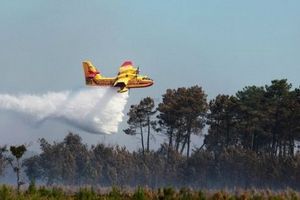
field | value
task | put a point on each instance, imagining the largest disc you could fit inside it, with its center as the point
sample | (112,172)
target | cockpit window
(146,78)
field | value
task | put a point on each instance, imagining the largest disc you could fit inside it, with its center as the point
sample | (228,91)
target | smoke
(95,110)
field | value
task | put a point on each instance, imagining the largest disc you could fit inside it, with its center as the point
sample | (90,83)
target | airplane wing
(127,68)
(126,73)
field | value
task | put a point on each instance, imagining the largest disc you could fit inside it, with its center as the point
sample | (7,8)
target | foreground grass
(90,193)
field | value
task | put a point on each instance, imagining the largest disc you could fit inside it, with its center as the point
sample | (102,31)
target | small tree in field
(17,152)
(2,159)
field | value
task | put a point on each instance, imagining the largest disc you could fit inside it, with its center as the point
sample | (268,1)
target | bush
(186,194)
(167,193)
(115,194)
(44,192)
(6,192)
(31,188)
(86,194)
(139,194)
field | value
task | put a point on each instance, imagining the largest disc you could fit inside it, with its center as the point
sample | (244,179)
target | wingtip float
(127,78)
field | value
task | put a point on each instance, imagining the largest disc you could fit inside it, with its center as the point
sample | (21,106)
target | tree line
(251,141)
(265,120)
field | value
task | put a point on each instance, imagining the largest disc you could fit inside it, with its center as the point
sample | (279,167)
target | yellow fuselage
(127,77)
(136,82)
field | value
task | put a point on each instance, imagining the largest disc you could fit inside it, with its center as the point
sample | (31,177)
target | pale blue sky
(221,45)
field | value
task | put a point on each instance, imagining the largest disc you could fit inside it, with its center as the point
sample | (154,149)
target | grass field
(115,193)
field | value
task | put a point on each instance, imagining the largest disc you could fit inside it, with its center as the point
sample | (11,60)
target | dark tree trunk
(177,141)
(148,136)
(18,175)
(171,138)
(183,145)
(142,138)
(188,144)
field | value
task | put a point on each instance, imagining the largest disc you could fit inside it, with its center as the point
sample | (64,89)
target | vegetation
(2,159)
(17,152)
(251,142)
(181,114)
(91,193)
(140,117)
(72,163)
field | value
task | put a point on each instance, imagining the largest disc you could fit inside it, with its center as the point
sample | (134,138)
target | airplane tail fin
(90,72)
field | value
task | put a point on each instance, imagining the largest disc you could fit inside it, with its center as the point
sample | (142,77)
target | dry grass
(141,193)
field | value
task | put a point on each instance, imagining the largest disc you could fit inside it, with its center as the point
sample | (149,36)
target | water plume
(95,110)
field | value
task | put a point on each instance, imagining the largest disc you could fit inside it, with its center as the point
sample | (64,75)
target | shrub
(139,194)
(31,188)
(6,192)
(115,194)
(86,194)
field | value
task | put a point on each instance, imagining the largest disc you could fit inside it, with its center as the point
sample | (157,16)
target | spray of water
(95,110)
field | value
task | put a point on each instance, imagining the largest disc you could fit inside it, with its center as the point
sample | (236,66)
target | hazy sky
(220,45)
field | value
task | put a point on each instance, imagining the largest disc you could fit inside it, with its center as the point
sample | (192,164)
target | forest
(250,141)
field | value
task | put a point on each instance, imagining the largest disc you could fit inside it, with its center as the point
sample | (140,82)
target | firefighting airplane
(127,78)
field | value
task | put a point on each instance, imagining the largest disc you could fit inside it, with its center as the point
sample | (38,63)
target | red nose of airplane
(151,83)
(147,83)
